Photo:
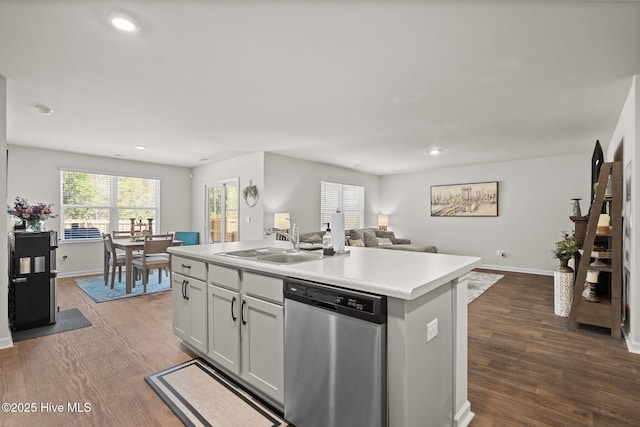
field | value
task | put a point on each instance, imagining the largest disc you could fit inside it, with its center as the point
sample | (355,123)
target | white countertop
(399,274)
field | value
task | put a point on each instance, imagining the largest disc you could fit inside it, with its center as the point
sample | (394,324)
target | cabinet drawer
(189,267)
(267,287)
(224,276)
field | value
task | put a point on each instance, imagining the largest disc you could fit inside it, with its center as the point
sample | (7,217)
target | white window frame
(113,201)
(327,207)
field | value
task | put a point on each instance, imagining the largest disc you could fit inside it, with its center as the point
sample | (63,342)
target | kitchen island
(230,311)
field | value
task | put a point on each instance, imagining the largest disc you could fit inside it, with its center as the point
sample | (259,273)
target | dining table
(130,246)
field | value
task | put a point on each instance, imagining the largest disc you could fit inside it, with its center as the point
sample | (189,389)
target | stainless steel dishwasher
(334,356)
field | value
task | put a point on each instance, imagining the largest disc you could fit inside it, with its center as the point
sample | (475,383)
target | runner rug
(200,395)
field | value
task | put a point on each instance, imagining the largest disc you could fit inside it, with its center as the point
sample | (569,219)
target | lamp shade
(383,220)
(281,220)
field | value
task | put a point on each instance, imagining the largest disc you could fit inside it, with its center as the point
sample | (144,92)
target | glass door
(222,201)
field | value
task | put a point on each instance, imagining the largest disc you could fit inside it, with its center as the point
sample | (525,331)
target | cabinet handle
(183,289)
(186,266)
(233,301)
(186,290)
(244,322)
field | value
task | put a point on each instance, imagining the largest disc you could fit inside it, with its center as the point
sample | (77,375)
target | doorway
(222,201)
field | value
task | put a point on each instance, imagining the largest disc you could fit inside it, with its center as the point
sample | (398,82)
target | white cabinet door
(263,346)
(224,328)
(196,292)
(190,310)
(181,309)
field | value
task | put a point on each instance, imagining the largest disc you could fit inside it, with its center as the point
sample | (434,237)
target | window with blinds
(349,199)
(93,204)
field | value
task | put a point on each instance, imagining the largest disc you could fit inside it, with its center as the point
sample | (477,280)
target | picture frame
(478,199)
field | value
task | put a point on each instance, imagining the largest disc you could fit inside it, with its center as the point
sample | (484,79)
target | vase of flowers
(31,217)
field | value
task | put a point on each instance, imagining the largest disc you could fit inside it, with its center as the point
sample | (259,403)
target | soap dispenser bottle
(327,242)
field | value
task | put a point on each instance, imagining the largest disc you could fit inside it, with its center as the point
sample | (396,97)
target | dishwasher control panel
(362,305)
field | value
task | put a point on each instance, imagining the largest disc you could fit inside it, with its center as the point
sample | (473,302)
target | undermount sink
(254,253)
(273,255)
(289,257)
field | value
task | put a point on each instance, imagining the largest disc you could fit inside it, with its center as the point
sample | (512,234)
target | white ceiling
(355,82)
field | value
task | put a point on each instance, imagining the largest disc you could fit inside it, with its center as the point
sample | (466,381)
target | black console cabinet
(32,279)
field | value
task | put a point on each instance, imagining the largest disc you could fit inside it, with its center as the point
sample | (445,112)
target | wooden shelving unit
(605,247)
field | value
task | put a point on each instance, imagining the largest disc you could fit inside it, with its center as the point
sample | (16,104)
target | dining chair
(154,255)
(112,259)
(188,238)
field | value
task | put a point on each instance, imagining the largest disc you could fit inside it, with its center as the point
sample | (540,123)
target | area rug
(200,395)
(479,283)
(99,292)
(68,320)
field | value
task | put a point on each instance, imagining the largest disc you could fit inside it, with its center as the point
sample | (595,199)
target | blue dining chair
(188,237)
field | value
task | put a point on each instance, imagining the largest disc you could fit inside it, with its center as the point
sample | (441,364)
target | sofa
(368,237)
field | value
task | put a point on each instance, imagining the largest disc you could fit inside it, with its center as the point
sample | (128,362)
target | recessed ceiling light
(141,147)
(435,151)
(359,166)
(43,109)
(124,23)
(204,159)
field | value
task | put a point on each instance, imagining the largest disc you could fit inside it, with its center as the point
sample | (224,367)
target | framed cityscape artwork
(474,199)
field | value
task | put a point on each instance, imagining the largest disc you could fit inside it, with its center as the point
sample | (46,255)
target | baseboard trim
(6,342)
(633,347)
(464,416)
(517,269)
(80,273)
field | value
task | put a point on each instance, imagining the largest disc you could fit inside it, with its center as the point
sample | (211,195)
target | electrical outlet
(432,329)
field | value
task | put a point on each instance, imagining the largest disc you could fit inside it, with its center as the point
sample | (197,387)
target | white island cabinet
(189,288)
(426,372)
(246,324)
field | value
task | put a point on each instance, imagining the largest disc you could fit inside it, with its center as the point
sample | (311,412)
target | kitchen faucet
(294,237)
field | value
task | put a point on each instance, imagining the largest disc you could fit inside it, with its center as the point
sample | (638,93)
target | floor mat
(201,396)
(68,320)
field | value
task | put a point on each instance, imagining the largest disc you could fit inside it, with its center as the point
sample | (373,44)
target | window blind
(349,199)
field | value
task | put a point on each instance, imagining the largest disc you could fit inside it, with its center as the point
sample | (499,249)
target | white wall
(5,335)
(533,209)
(627,131)
(293,185)
(35,175)
(247,167)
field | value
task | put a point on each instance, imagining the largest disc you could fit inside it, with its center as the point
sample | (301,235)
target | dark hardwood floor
(103,365)
(525,367)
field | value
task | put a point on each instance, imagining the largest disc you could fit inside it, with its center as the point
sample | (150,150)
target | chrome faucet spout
(293,236)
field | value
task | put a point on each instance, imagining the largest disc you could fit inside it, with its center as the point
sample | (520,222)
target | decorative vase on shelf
(35,226)
(562,288)
(575,208)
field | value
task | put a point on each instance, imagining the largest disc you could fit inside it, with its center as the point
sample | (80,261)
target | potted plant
(250,194)
(563,275)
(565,249)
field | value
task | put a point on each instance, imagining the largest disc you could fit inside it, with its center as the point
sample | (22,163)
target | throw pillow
(370,239)
(388,235)
(383,241)
(314,237)
(355,234)
(357,242)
